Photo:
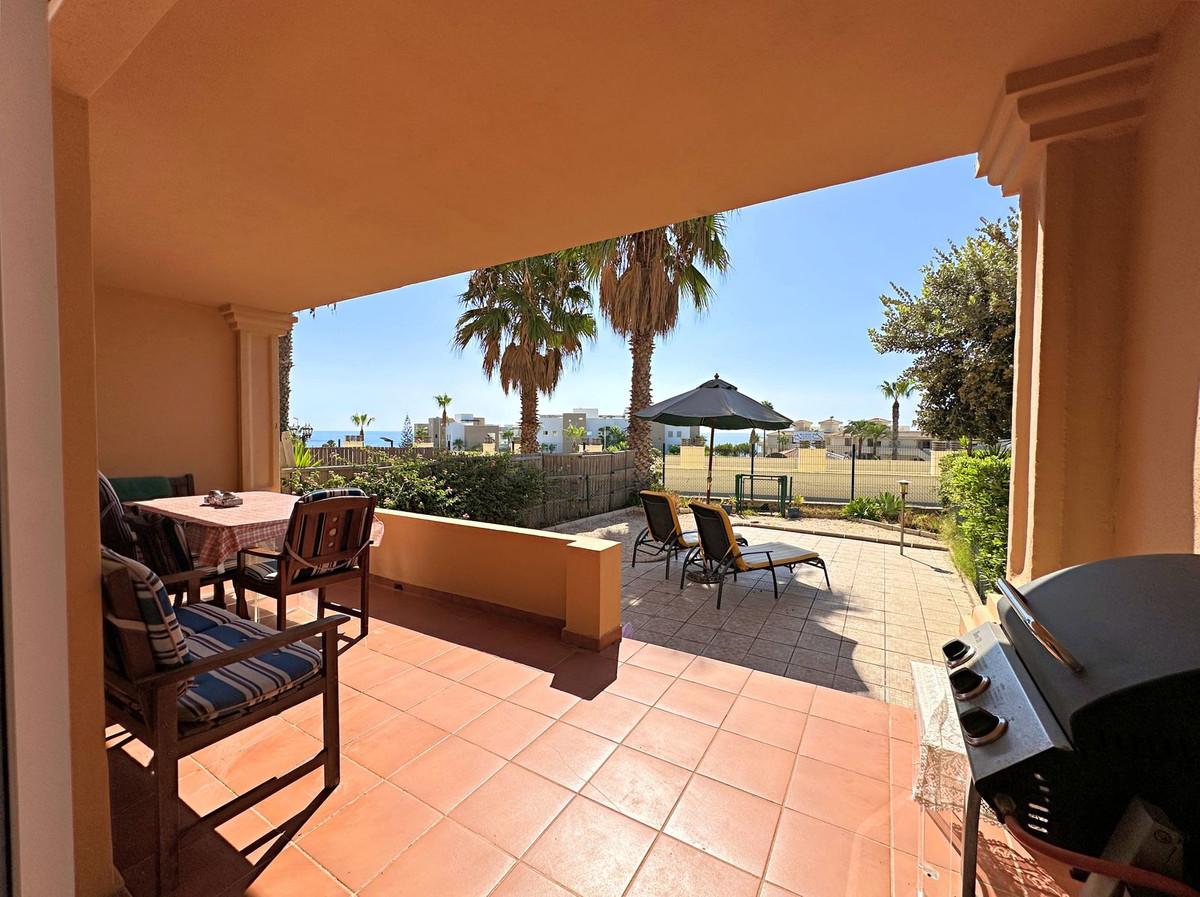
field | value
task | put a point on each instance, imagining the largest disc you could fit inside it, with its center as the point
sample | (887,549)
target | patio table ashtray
(219,499)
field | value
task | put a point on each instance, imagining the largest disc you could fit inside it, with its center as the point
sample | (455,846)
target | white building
(472,430)
(552,429)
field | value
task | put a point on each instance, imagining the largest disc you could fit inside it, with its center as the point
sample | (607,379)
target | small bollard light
(903,503)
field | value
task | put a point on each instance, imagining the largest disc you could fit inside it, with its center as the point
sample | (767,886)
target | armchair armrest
(261,551)
(242,652)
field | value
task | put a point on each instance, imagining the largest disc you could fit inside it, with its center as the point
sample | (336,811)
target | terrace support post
(1063,136)
(258,332)
(593,594)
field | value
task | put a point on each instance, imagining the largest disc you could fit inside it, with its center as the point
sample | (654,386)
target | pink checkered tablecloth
(216,534)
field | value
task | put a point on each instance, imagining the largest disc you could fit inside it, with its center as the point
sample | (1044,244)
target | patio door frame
(38,812)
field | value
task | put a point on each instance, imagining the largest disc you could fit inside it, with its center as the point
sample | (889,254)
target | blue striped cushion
(167,643)
(265,570)
(245,683)
(268,571)
(318,494)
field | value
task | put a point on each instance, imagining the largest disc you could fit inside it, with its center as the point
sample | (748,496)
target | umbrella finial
(717,376)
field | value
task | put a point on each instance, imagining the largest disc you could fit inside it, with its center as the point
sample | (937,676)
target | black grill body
(1076,746)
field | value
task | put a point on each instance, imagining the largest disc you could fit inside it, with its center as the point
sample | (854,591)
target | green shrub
(889,506)
(408,486)
(863,508)
(975,488)
(489,488)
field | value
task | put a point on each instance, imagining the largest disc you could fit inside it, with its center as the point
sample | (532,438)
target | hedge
(975,488)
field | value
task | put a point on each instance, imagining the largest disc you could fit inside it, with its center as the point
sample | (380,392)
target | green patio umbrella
(719,406)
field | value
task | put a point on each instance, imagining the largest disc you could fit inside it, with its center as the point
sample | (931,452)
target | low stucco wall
(572,579)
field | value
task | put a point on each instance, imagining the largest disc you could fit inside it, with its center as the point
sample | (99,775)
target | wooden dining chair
(328,541)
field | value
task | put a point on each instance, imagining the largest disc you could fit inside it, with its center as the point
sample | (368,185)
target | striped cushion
(318,494)
(167,644)
(211,630)
(268,570)
(264,571)
(114,530)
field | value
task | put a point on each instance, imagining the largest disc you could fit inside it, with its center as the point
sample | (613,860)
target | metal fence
(814,474)
(577,485)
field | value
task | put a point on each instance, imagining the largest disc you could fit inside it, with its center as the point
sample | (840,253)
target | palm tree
(860,430)
(576,435)
(528,317)
(641,278)
(443,402)
(507,436)
(900,388)
(362,421)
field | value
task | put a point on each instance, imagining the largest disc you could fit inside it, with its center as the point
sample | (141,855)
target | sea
(376,437)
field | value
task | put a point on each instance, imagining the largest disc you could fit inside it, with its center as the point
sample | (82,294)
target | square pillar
(258,333)
(593,594)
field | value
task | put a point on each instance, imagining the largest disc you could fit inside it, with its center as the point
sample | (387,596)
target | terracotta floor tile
(639,684)
(770,890)
(386,748)
(524,881)
(847,799)
(941,836)
(903,723)
(673,868)
(293,873)
(512,808)
(506,729)
(542,696)
(284,805)
(817,859)
(765,722)
(638,785)
(591,849)
(677,739)
(750,765)
(357,843)
(846,746)
(902,763)
(458,663)
(904,878)
(729,824)
(772,689)
(853,710)
(610,716)
(454,708)
(217,756)
(363,671)
(447,860)
(699,702)
(272,756)
(502,678)
(419,649)
(445,774)
(662,660)
(358,713)
(566,755)
(410,688)
(717,674)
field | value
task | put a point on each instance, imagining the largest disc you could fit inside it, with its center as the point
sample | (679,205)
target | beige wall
(166,373)
(1160,364)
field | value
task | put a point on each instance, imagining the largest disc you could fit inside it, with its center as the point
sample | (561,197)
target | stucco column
(1063,137)
(258,333)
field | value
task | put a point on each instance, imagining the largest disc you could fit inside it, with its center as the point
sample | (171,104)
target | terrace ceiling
(287,153)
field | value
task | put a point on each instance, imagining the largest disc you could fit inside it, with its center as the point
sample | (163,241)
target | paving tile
(506,729)
(294,873)
(768,723)
(448,859)
(761,769)
(344,846)
(813,677)
(525,881)
(638,785)
(452,708)
(607,715)
(772,650)
(639,684)
(284,749)
(847,799)
(389,746)
(858,671)
(566,755)
(725,822)
(458,663)
(501,678)
(846,746)
(676,739)
(661,660)
(695,701)
(363,670)
(673,868)
(695,633)
(541,695)
(817,859)
(765,664)
(590,849)
(445,774)
(779,691)
(285,805)
(512,808)
(410,688)
(732,640)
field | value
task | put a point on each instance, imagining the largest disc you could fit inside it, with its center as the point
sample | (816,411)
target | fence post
(853,461)
(664,459)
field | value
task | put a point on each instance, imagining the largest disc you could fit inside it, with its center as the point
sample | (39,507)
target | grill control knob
(981,726)
(957,652)
(966,683)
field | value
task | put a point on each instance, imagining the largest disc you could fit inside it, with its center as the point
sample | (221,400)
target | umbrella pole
(712,433)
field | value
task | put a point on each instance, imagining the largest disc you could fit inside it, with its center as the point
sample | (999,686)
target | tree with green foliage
(407,437)
(896,390)
(961,328)
(864,430)
(443,401)
(642,277)
(529,318)
(362,421)
(575,437)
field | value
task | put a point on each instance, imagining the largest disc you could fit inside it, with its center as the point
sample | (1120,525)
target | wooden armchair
(181,679)
(328,541)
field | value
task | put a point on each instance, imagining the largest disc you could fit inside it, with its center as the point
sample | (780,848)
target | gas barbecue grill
(1081,712)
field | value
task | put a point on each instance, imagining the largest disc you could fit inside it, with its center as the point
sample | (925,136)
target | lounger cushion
(782,554)
(211,630)
(168,646)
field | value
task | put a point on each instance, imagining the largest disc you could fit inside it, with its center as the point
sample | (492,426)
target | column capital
(246,319)
(1091,95)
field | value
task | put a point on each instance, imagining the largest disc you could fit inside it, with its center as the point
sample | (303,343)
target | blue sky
(788,323)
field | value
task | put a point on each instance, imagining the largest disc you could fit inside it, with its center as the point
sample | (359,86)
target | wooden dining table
(217,534)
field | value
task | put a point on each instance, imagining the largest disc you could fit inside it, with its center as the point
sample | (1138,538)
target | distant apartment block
(473,430)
